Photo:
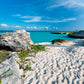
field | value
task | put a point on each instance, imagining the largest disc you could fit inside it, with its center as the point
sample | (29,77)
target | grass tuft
(0,81)
(3,55)
(28,53)
(23,76)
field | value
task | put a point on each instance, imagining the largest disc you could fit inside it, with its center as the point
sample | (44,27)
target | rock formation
(79,34)
(9,70)
(83,43)
(15,41)
(59,41)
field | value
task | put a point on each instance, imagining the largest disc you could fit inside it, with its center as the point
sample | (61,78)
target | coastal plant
(37,48)
(3,55)
(27,67)
(23,76)
(28,53)
(0,81)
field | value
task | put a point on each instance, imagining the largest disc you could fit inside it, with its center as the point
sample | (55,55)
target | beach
(47,63)
(57,65)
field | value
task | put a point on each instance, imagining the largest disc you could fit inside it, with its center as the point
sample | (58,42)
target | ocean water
(45,37)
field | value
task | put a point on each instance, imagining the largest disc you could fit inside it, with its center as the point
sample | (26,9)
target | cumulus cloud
(28,27)
(67,3)
(56,27)
(31,27)
(46,27)
(11,26)
(4,25)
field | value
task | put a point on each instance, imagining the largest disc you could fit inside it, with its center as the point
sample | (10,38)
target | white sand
(58,65)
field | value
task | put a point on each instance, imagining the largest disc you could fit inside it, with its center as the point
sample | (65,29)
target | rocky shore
(15,41)
(28,64)
(79,34)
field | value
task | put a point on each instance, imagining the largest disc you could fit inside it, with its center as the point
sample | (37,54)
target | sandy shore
(58,65)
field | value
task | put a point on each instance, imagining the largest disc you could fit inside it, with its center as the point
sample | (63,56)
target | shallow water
(41,37)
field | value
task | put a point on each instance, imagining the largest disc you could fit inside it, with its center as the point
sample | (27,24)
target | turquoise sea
(46,37)
(41,37)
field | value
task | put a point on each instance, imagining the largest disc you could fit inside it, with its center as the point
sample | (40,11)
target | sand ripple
(59,65)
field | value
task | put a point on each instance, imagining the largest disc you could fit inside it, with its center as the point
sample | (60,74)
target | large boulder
(59,41)
(79,34)
(15,41)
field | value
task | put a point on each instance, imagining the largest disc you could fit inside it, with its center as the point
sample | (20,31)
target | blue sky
(56,15)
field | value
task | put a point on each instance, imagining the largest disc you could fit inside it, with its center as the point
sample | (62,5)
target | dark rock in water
(15,41)
(79,34)
(59,32)
(59,41)
(83,43)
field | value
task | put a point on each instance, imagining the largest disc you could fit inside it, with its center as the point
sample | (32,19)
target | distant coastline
(34,31)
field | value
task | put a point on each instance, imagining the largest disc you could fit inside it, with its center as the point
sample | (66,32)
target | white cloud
(34,19)
(63,20)
(4,25)
(13,26)
(46,27)
(39,19)
(34,27)
(16,15)
(67,3)
(56,27)
(24,17)
(17,26)
(28,27)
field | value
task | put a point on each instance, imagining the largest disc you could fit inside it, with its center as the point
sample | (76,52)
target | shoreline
(75,42)
(37,64)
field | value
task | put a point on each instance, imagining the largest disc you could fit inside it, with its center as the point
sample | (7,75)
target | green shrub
(22,75)
(26,53)
(3,55)
(28,59)
(23,53)
(37,48)
(28,68)
(0,81)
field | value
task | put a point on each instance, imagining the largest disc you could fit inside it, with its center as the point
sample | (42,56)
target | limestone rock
(13,67)
(15,41)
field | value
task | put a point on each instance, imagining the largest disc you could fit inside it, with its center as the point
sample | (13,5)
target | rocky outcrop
(10,73)
(15,41)
(60,41)
(79,34)
(83,43)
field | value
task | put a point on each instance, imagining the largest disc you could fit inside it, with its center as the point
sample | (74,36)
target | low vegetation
(28,53)
(37,48)
(3,55)
(0,81)
(23,76)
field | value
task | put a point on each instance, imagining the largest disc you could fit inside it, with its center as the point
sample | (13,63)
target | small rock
(83,43)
